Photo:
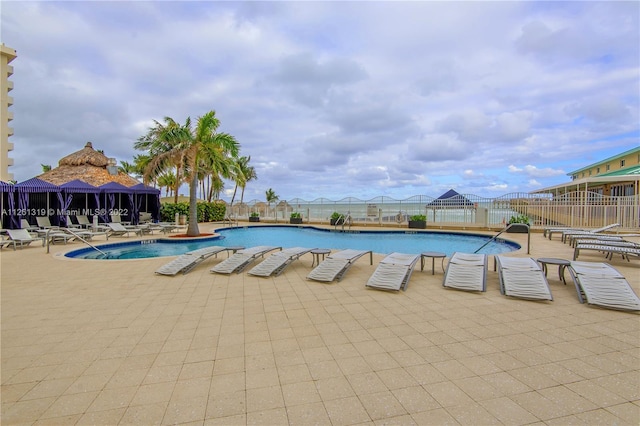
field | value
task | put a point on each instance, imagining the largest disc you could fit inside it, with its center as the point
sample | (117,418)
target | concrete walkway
(110,342)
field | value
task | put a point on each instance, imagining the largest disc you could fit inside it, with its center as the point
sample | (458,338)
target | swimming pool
(383,242)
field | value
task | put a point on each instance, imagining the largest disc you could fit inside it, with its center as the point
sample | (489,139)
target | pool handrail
(505,229)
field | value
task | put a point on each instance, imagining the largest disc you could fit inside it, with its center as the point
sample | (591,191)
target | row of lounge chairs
(82,230)
(596,283)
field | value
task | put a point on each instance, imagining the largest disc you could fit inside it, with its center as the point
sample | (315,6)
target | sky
(336,99)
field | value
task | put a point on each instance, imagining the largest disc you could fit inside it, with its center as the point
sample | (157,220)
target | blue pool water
(383,242)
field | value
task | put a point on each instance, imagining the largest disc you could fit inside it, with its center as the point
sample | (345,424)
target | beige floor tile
(308,414)
(346,411)
(363,383)
(262,378)
(111,399)
(276,416)
(107,417)
(265,398)
(48,388)
(447,394)
(508,412)
(396,378)
(70,405)
(146,414)
(324,369)
(595,393)
(629,413)
(301,393)
(185,410)
(196,370)
(238,420)
(228,365)
(227,404)
(415,399)
(124,379)
(334,388)
(382,405)
(598,417)
(25,412)
(154,393)
(472,414)
(294,374)
(168,373)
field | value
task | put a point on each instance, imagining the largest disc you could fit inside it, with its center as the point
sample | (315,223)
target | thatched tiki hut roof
(90,166)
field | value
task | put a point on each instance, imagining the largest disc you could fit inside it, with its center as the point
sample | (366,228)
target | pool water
(382,242)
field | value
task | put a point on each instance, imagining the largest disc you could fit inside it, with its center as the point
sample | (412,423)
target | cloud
(533,171)
(333,99)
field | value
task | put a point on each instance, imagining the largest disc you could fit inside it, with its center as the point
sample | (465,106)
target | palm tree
(127,168)
(271,198)
(45,168)
(183,147)
(167,180)
(249,173)
(217,148)
(217,185)
(166,146)
(243,173)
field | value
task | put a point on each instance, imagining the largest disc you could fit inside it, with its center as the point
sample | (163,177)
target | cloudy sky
(337,99)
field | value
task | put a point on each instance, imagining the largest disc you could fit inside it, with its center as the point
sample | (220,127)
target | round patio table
(316,255)
(562,264)
(433,255)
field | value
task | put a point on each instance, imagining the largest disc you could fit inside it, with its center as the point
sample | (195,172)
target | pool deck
(110,342)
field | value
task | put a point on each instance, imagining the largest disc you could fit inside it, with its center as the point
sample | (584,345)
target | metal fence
(576,209)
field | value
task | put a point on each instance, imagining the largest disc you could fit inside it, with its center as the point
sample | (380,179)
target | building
(7,55)
(614,176)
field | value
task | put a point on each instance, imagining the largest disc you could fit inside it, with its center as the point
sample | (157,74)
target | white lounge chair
(393,272)
(241,259)
(466,271)
(609,248)
(189,260)
(6,241)
(276,263)
(45,223)
(23,238)
(336,265)
(24,224)
(117,229)
(117,218)
(571,231)
(602,285)
(522,277)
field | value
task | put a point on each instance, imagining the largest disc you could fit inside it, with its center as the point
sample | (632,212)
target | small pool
(383,242)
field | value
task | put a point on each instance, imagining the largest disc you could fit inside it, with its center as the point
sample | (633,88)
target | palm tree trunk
(234,193)
(177,187)
(192,230)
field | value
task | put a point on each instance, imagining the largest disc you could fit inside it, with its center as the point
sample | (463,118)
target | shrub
(255,214)
(207,212)
(418,218)
(336,215)
(521,218)
(296,215)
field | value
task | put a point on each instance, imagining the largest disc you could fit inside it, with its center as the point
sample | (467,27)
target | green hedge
(207,212)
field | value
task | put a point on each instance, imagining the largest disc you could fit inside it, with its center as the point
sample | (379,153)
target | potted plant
(335,216)
(254,217)
(295,218)
(418,221)
(519,224)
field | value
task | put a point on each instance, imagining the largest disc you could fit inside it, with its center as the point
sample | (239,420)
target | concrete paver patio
(110,342)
